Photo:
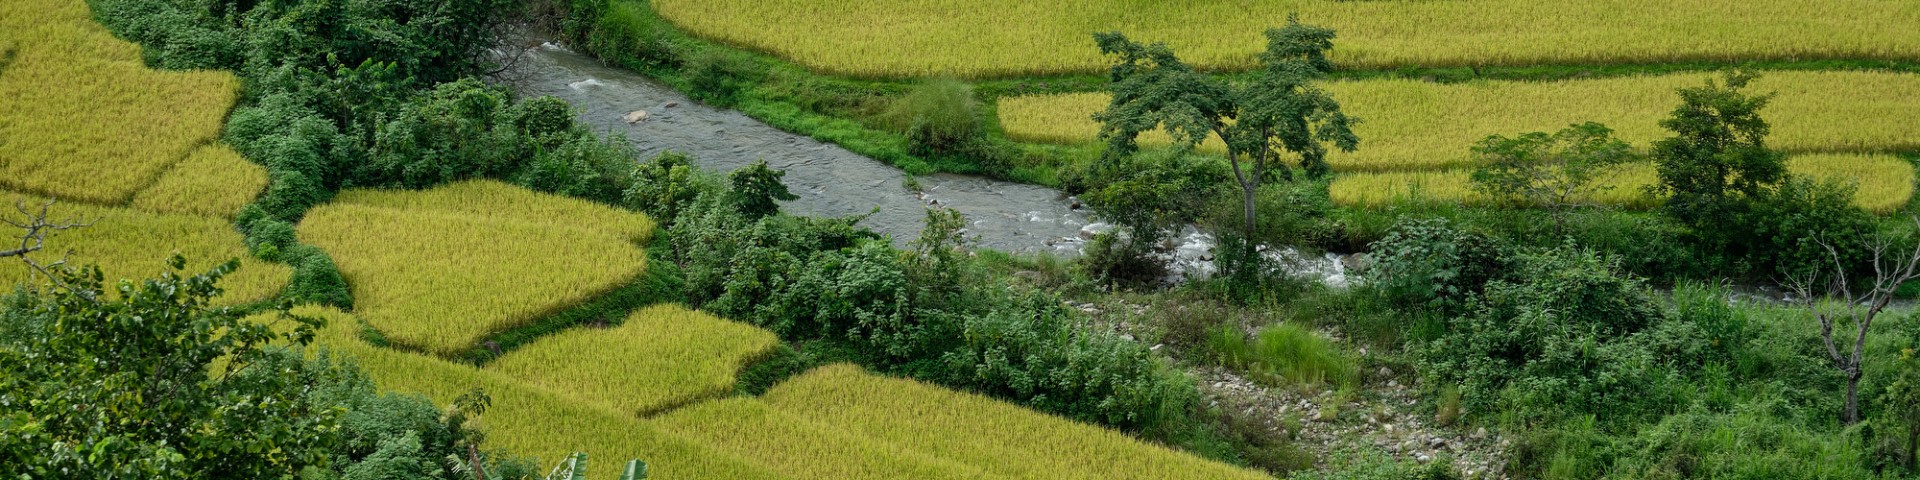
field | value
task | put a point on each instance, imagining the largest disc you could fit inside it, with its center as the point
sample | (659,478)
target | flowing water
(832,181)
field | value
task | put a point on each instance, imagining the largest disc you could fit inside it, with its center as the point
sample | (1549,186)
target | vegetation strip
(1414,125)
(1008,38)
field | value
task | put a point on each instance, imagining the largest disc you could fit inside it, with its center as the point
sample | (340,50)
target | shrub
(939,117)
(1430,264)
(717,78)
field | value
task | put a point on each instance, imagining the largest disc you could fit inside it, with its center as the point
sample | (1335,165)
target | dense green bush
(158,384)
(1431,264)
(940,117)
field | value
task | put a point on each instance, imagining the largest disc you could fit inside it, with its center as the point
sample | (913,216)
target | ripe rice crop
(442,281)
(131,244)
(489,199)
(1415,125)
(531,421)
(995,436)
(83,119)
(213,181)
(1884,183)
(661,357)
(792,444)
(996,38)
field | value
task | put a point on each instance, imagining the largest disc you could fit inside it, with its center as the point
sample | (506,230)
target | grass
(443,280)
(795,445)
(1884,183)
(131,244)
(495,200)
(1001,38)
(83,118)
(1283,354)
(213,181)
(662,357)
(1415,125)
(531,421)
(998,437)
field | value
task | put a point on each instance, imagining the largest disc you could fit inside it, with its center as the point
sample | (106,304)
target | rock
(1479,433)
(635,116)
(1422,457)
(1126,336)
(670,105)
(1156,347)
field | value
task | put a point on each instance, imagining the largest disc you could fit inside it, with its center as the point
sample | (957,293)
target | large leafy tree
(1555,171)
(1275,114)
(1717,160)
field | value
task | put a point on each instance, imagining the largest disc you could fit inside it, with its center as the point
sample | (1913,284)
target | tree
(36,227)
(757,186)
(1718,158)
(1843,303)
(1555,171)
(1277,111)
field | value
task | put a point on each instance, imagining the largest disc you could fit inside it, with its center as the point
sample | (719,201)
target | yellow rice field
(661,357)
(534,422)
(131,244)
(495,200)
(212,181)
(1884,183)
(796,446)
(443,280)
(82,118)
(997,437)
(993,38)
(1415,125)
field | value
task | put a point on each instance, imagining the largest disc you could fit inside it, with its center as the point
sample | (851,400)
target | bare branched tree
(36,227)
(1848,304)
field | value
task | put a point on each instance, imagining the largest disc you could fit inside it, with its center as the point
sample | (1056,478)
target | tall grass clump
(1008,38)
(997,437)
(940,117)
(1283,354)
(659,358)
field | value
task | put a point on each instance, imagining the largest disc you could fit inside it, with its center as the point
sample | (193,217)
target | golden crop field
(995,436)
(131,244)
(443,281)
(212,181)
(490,199)
(998,38)
(1884,183)
(530,421)
(661,357)
(81,118)
(1415,125)
(801,448)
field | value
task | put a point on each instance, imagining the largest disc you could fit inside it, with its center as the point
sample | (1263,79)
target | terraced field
(1011,38)
(1883,183)
(124,149)
(661,357)
(443,271)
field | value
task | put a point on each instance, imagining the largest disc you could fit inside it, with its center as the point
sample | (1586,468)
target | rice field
(997,437)
(534,422)
(213,181)
(495,200)
(1415,125)
(83,119)
(1006,38)
(661,357)
(801,448)
(1883,183)
(443,280)
(132,244)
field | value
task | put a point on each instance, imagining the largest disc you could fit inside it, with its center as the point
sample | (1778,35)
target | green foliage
(1897,426)
(1283,354)
(716,78)
(939,118)
(316,280)
(757,187)
(1556,170)
(1781,232)
(666,185)
(1431,264)
(1717,158)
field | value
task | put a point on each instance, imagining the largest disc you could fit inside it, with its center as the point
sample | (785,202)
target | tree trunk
(1913,446)
(1247,196)
(1853,396)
